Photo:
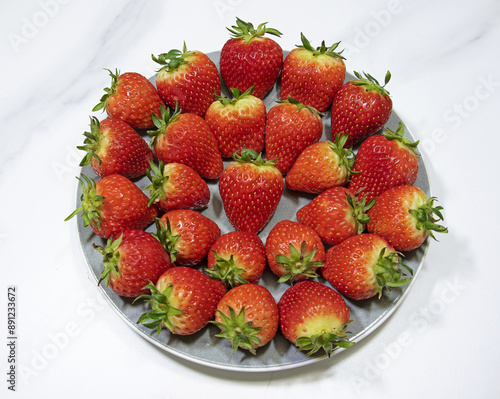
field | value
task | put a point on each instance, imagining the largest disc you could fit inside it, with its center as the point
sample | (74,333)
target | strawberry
(249,58)
(313,316)
(335,215)
(248,317)
(384,161)
(320,166)
(236,258)
(250,189)
(238,122)
(404,216)
(189,235)
(113,146)
(131,98)
(112,205)
(313,75)
(183,300)
(186,138)
(176,186)
(290,127)
(360,108)
(361,266)
(294,251)
(131,260)
(187,78)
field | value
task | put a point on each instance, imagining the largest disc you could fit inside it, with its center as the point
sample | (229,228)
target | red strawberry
(250,59)
(183,301)
(189,78)
(237,123)
(176,186)
(112,205)
(313,316)
(236,258)
(113,146)
(361,266)
(131,98)
(250,189)
(360,108)
(294,251)
(320,166)
(189,235)
(248,317)
(313,75)
(131,260)
(404,216)
(335,215)
(186,138)
(384,161)
(290,128)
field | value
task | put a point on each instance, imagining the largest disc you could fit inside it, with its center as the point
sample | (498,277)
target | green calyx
(91,143)
(90,203)
(359,209)
(427,215)
(226,271)
(298,263)
(399,136)
(173,59)
(161,122)
(247,32)
(328,341)
(346,155)
(166,237)
(388,273)
(321,50)
(158,179)
(371,84)
(241,334)
(248,155)
(237,95)
(111,258)
(162,312)
(109,91)
(300,105)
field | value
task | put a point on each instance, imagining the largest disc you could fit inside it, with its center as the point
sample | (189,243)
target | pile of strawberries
(348,240)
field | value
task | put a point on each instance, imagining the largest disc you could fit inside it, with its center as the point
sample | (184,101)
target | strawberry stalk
(161,312)
(371,84)
(226,271)
(387,272)
(173,59)
(427,215)
(91,142)
(399,136)
(241,334)
(300,105)
(109,91)
(298,263)
(359,209)
(247,32)
(306,44)
(161,123)
(111,257)
(90,202)
(157,182)
(167,239)
(327,341)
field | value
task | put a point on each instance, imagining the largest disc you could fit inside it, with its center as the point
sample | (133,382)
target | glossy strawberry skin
(196,232)
(131,98)
(141,258)
(238,124)
(359,113)
(309,308)
(312,78)
(380,164)
(114,147)
(190,141)
(250,194)
(279,239)
(349,266)
(290,128)
(247,251)
(191,85)
(195,294)
(330,215)
(245,64)
(391,217)
(260,308)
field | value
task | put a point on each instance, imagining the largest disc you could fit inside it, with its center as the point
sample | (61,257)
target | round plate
(206,349)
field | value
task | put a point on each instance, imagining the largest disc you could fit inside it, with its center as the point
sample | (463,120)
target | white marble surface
(441,342)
